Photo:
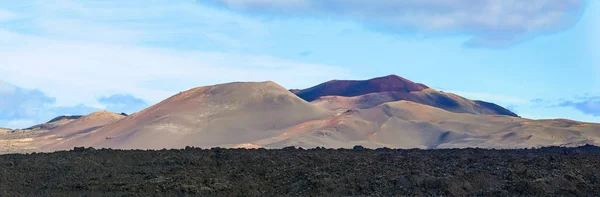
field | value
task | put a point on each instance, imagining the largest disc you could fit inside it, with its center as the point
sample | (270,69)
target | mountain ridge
(361,94)
(266,115)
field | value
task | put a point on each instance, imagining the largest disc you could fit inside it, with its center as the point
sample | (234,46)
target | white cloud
(123,103)
(19,107)
(20,124)
(270,4)
(6,88)
(6,16)
(490,22)
(79,51)
(133,21)
(79,72)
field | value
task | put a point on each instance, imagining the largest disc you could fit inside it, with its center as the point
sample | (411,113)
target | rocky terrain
(550,171)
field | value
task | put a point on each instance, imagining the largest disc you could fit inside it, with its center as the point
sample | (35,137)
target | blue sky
(74,57)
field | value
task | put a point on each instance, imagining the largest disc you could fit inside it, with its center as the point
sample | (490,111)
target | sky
(71,57)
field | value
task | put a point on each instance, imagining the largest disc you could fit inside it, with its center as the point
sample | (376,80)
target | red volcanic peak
(394,83)
(390,83)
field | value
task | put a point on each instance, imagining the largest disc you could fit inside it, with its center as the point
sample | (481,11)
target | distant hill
(349,88)
(406,124)
(353,94)
(44,136)
(55,122)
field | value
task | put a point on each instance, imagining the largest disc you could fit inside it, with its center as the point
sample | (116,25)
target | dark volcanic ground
(315,172)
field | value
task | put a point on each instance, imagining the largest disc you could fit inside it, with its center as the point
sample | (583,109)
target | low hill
(406,124)
(85,124)
(54,123)
(41,136)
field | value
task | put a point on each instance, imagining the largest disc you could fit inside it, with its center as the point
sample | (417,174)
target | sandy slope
(38,138)
(55,122)
(21,140)
(232,113)
(431,97)
(405,124)
(84,125)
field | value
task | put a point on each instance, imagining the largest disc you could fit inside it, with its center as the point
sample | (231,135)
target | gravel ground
(550,171)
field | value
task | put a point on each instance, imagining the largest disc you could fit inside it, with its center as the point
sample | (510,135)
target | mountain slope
(232,113)
(58,129)
(54,123)
(405,124)
(339,94)
(443,100)
(84,124)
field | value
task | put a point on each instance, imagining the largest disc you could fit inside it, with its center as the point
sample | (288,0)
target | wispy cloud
(587,105)
(20,107)
(6,16)
(108,69)
(133,22)
(123,103)
(491,23)
(79,51)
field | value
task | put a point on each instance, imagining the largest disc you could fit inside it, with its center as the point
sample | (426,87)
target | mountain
(264,114)
(219,115)
(345,94)
(54,123)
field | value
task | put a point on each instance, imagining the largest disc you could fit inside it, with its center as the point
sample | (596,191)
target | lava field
(552,171)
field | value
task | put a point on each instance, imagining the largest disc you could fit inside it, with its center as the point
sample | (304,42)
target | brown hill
(339,94)
(54,123)
(232,113)
(39,137)
(84,124)
(348,88)
(405,124)
(431,97)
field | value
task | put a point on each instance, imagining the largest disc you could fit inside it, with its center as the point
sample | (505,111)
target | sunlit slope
(232,113)
(405,124)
